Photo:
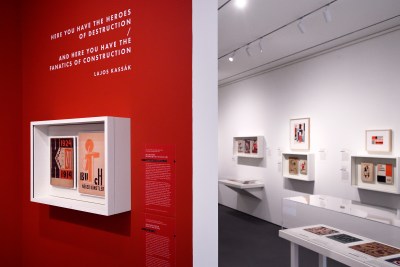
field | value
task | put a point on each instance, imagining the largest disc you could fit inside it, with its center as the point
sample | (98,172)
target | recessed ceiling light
(240,3)
(231,58)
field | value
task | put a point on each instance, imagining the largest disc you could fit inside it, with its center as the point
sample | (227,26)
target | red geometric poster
(158,168)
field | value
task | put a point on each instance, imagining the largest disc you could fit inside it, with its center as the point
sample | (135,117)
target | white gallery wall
(205,108)
(343,92)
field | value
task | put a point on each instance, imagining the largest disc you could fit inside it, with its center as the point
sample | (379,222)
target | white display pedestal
(377,222)
(326,247)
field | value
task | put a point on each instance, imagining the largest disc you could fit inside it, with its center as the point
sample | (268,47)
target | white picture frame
(300,134)
(378,141)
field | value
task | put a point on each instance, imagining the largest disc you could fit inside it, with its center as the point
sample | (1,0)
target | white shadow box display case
(377,173)
(248,146)
(82,164)
(299,166)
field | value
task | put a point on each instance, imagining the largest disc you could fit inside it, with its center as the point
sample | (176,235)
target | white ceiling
(283,42)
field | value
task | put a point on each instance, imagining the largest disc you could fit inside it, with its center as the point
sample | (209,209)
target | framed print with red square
(378,140)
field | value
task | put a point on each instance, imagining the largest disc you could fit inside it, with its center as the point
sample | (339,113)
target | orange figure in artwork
(89,158)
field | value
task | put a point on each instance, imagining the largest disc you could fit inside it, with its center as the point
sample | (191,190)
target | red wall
(10,134)
(156,95)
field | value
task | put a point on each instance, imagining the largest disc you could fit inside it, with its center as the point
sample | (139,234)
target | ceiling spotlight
(248,50)
(327,14)
(301,26)
(232,57)
(260,46)
(240,3)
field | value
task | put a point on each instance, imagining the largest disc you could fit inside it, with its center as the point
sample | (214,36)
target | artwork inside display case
(240,146)
(297,166)
(303,166)
(293,166)
(343,238)
(321,230)
(385,173)
(62,161)
(254,147)
(91,163)
(376,249)
(367,172)
(378,140)
(300,133)
(249,146)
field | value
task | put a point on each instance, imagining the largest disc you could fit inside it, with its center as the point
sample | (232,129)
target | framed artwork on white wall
(300,133)
(378,140)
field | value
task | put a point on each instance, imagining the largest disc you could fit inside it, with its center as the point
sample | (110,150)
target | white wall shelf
(308,157)
(257,153)
(375,185)
(117,165)
(254,189)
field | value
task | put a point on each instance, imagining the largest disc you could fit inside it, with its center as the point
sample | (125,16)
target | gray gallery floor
(246,241)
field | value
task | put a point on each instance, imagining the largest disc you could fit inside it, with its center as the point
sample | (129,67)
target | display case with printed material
(376,173)
(82,164)
(298,166)
(248,147)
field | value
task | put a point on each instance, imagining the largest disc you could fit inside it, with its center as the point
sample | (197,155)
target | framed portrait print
(300,133)
(378,140)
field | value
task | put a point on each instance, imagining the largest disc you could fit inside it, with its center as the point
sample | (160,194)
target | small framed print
(378,140)
(300,133)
